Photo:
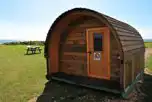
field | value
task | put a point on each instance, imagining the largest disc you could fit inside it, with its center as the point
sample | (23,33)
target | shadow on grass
(62,92)
(32,53)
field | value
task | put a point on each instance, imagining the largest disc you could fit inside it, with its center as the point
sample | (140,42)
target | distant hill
(16,42)
(7,41)
(147,40)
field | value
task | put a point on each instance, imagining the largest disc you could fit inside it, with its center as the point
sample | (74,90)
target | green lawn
(149,63)
(148,44)
(22,77)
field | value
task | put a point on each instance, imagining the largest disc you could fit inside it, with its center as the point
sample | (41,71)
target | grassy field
(148,44)
(149,64)
(149,61)
(22,77)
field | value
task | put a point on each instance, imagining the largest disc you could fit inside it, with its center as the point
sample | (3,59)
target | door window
(97,42)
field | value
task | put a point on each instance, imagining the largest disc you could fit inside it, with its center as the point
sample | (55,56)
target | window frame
(101,39)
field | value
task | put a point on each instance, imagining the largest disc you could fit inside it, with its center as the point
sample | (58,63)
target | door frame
(106,29)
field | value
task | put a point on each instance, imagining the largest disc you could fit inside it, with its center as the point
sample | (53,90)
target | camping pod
(90,49)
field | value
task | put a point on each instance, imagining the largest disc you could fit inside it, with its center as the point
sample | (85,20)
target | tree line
(25,43)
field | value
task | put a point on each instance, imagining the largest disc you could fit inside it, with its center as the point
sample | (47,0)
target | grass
(22,77)
(149,63)
(148,44)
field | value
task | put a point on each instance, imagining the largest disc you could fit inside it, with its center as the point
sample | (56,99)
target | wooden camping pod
(86,47)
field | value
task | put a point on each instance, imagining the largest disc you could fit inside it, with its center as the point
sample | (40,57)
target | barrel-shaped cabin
(88,48)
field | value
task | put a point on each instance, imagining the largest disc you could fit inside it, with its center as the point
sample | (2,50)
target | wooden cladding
(132,47)
(114,21)
(73,57)
(76,38)
(74,48)
(128,71)
(91,24)
(77,34)
(74,42)
(74,61)
(75,54)
(115,62)
(122,27)
(115,67)
(124,43)
(134,64)
(73,68)
(126,33)
(127,38)
(130,39)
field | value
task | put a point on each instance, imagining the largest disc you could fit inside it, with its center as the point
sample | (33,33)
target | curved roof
(127,36)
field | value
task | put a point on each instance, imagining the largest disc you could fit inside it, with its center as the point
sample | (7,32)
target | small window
(97,42)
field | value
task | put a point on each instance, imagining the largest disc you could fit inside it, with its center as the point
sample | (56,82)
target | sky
(31,19)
